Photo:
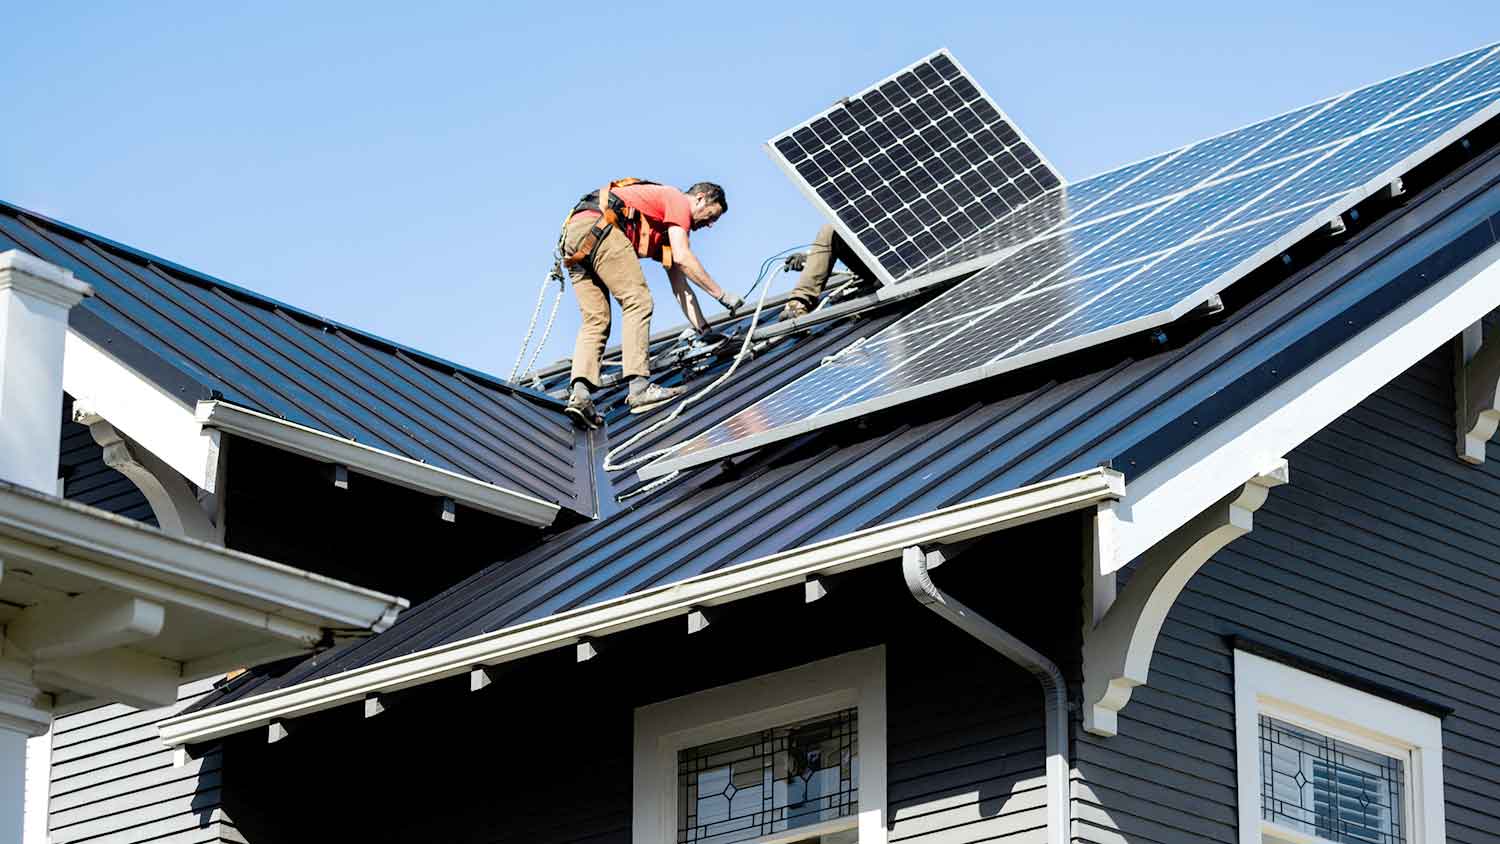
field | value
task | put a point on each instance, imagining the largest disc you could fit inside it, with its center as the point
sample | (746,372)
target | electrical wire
(609,459)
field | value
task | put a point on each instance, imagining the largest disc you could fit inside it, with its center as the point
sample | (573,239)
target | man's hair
(711,193)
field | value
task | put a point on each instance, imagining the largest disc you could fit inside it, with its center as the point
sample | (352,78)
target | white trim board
(1360,718)
(1210,466)
(399,470)
(789,568)
(855,679)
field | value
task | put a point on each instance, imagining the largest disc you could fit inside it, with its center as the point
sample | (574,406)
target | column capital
(24,708)
(28,274)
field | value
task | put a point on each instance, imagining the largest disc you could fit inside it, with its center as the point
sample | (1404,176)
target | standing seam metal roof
(201,338)
(1128,404)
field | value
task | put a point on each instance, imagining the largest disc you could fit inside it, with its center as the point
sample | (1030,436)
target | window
(1322,762)
(792,757)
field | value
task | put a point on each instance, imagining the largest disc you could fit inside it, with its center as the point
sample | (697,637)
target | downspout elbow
(914,567)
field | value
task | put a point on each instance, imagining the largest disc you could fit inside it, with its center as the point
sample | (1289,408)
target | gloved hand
(796,261)
(731,301)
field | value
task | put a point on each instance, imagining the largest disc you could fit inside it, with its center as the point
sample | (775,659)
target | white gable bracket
(172,500)
(1476,384)
(1117,652)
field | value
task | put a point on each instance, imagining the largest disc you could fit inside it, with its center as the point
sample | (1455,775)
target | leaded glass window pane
(1328,788)
(770,782)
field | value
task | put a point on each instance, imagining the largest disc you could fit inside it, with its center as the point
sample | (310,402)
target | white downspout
(914,564)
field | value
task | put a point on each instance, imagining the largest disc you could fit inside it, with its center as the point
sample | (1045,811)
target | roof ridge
(200,277)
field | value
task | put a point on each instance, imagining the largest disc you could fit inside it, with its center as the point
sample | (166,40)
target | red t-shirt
(663,205)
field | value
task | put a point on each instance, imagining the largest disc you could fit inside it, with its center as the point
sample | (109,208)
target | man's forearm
(687,300)
(695,273)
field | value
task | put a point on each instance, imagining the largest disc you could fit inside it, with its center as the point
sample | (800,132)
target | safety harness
(612,212)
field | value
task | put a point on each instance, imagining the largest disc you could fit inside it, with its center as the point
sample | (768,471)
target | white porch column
(35,298)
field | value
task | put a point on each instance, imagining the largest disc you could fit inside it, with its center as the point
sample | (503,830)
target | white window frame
(1266,687)
(855,679)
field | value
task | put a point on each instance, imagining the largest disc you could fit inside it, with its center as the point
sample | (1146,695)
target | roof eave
(786,569)
(275,597)
(402,471)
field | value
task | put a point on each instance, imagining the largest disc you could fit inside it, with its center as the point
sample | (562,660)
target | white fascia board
(163,424)
(138,559)
(402,471)
(1207,469)
(777,571)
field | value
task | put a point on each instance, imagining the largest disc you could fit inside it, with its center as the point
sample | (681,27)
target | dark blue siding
(1380,559)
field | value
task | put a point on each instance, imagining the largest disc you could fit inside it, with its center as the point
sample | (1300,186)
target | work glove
(796,261)
(731,302)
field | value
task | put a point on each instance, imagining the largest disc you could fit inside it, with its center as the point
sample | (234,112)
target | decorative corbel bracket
(172,499)
(1476,386)
(1117,651)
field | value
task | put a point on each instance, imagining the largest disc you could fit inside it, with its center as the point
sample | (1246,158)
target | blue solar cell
(1089,191)
(1483,77)
(1162,284)
(1201,161)
(1367,107)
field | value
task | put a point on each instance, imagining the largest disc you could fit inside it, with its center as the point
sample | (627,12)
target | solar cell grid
(914,165)
(1261,189)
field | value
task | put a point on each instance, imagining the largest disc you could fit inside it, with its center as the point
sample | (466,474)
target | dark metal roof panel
(1129,405)
(218,340)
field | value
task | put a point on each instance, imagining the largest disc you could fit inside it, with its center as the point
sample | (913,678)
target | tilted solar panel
(913,165)
(1132,249)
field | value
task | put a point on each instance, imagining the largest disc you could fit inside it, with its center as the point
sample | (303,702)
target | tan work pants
(826,248)
(616,271)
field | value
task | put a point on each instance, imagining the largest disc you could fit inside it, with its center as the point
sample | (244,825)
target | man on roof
(816,266)
(601,245)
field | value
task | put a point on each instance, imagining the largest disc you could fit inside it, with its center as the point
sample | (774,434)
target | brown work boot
(794,309)
(581,408)
(652,396)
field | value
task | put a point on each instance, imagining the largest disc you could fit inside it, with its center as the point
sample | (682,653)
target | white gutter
(402,471)
(244,589)
(777,571)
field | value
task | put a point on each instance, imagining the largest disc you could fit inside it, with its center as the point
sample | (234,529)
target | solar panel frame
(888,281)
(1336,204)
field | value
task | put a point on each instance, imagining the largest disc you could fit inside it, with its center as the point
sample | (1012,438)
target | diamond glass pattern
(1130,250)
(914,165)
(1329,789)
(770,781)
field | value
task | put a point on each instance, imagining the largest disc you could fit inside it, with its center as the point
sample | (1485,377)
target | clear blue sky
(404,167)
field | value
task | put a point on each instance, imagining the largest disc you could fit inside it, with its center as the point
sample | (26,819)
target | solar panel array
(914,165)
(1134,248)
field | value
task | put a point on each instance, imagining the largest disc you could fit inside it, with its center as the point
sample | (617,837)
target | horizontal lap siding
(1380,559)
(113,781)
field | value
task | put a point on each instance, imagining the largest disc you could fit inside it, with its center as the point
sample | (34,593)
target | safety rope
(530,369)
(541,296)
(609,459)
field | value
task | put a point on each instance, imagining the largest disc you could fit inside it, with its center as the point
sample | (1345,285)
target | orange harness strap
(608,218)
